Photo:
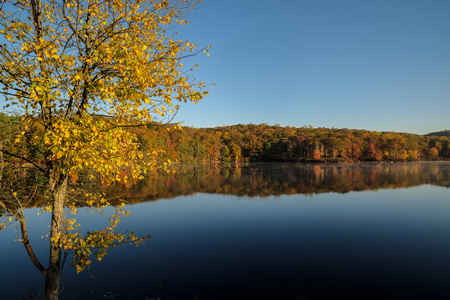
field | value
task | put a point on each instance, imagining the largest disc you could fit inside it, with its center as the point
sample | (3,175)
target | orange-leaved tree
(79,73)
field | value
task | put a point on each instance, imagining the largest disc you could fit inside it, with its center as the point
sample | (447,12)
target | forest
(265,143)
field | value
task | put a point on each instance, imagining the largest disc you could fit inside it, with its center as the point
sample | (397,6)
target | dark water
(268,231)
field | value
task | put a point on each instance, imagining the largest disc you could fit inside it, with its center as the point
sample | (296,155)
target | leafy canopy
(82,59)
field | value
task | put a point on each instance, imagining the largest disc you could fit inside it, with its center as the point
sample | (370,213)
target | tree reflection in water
(276,179)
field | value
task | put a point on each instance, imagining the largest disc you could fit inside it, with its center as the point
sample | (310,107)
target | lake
(264,231)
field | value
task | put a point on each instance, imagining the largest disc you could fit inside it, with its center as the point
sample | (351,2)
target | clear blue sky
(380,65)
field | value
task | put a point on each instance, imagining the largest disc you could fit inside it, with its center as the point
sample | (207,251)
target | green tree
(225,153)
(80,73)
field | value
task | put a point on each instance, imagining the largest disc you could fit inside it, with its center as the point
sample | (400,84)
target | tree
(433,153)
(80,73)
(225,153)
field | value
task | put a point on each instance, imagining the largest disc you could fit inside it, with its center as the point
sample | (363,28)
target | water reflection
(223,243)
(268,179)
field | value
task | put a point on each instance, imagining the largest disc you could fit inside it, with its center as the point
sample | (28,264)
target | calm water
(267,231)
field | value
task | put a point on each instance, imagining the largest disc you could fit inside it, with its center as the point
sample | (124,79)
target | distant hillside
(261,143)
(439,133)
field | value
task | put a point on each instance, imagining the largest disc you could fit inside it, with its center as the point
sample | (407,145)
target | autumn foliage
(275,143)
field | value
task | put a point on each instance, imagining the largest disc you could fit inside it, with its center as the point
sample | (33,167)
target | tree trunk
(53,273)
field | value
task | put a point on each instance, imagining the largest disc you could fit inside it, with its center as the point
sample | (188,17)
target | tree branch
(26,159)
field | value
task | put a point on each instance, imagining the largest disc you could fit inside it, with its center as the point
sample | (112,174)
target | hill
(439,133)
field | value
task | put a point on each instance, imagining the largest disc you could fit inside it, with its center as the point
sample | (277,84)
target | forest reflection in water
(275,179)
(261,180)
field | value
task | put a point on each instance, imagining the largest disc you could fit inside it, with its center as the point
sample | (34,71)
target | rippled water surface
(267,231)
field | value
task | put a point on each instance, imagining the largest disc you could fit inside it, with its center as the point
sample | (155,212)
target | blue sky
(380,65)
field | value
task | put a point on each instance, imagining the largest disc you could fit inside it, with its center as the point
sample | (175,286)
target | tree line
(263,143)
